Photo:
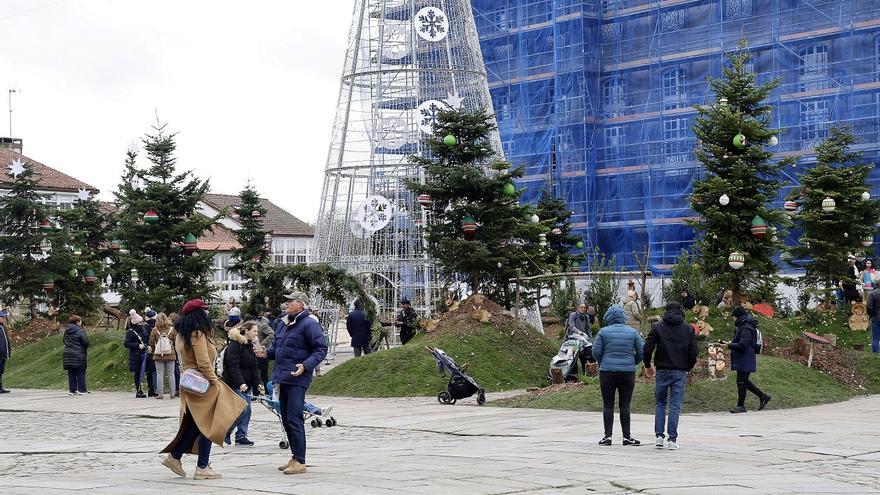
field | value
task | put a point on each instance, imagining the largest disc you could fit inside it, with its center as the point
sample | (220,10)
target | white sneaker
(325,412)
(670,445)
(659,442)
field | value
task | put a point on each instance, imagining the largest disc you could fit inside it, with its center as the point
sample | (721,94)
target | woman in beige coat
(631,308)
(164,357)
(204,419)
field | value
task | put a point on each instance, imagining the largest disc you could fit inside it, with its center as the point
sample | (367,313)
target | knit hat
(150,313)
(235,311)
(136,319)
(739,311)
(3,314)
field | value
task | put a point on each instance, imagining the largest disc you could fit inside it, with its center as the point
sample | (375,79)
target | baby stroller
(563,366)
(316,416)
(461,385)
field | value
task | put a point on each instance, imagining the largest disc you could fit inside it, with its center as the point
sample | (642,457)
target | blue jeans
(190,435)
(668,383)
(245,419)
(875,336)
(292,399)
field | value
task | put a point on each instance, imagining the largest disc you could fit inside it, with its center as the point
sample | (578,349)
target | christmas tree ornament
(579,244)
(190,243)
(739,141)
(135,276)
(424,200)
(433,24)
(828,204)
(73,273)
(45,246)
(722,101)
(509,189)
(151,217)
(123,247)
(535,218)
(46,226)
(417,222)
(759,227)
(774,239)
(790,205)
(867,240)
(556,231)
(773,141)
(736,260)
(866,196)
(542,239)
(468,225)
(48,284)
(449,140)
(17,168)
(77,250)
(90,276)
(256,214)
(373,214)
(115,244)
(846,234)
(860,256)
(724,200)
(499,264)
(575,266)
(785,256)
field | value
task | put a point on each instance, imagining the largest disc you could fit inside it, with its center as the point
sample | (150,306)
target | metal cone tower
(406,60)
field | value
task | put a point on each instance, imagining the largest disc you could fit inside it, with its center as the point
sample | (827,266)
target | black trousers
(263,365)
(151,376)
(2,369)
(622,382)
(76,380)
(406,334)
(742,384)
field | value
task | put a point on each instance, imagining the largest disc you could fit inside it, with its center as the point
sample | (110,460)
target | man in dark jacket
(75,356)
(743,359)
(298,348)
(406,321)
(673,346)
(873,307)
(5,349)
(687,300)
(150,324)
(360,329)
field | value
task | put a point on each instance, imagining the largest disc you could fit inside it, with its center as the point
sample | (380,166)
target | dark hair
(247,326)
(194,321)
(673,306)
(358,304)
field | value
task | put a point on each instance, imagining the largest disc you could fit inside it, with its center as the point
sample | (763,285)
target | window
(674,81)
(222,276)
(814,59)
(613,142)
(675,133)
(737,9)
(814,122)
(877,56)
(672,20)
(612,93)
(291,250)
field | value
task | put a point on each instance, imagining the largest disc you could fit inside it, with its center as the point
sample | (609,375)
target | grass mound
(39,365)
(498,358)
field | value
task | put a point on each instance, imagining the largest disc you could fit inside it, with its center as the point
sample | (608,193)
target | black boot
(3,390)
(764,400)
(139,395)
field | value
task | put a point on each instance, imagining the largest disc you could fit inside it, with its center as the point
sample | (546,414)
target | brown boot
(295,468)
(207,474)
(289,463)
(174,465)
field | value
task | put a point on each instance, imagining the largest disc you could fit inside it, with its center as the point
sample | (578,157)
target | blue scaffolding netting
(596,99)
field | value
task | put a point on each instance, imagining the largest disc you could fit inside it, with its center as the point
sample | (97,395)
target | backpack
(219,361)
(163,345)
(759,341)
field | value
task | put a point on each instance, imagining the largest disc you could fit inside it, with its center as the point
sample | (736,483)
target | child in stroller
(461,385)
(563,366)
(315,415)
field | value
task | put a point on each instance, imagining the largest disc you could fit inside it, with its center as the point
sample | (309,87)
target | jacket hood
(673,317)
(748,318)
(289,319)
(234,333)
(72,328)
(614,316)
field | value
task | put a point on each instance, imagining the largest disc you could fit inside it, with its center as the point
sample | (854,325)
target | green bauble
(580,244)
(739,141)
(509,189)
(73,273)
(449,140)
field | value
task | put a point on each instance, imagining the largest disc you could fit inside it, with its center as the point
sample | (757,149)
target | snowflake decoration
(373,214)
(454,101)
(393,133)
(433,24)
(396,42)
(428,113)
(17,168)
(83,194)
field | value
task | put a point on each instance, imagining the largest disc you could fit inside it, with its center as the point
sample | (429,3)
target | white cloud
(250,87)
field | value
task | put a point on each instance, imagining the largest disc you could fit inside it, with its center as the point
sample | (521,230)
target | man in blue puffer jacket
(298,348)
(618,348)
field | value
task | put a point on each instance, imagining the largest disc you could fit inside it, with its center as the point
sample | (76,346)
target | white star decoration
(83,194)
(17,168)
(454,101)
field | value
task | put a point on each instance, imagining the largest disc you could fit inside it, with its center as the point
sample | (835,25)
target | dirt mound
(841,364)
(473,313)
(32,332)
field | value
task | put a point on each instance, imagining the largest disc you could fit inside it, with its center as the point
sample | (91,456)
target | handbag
(194,382)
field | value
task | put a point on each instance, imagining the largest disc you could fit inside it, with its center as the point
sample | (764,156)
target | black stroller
(461,385)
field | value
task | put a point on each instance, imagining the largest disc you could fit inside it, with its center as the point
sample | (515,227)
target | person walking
(204,419)
(299,347)
(74,358)
(241,373)
(618,349)
(672,344)
(164,355)
(360,329)
(136,341)
(406,321)
(5,348)
(632,310)
(150,371)
(265,335)
(743,359)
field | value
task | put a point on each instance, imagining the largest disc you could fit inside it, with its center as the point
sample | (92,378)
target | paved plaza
(108,443)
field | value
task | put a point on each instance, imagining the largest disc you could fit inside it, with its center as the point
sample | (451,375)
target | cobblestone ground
(51,443)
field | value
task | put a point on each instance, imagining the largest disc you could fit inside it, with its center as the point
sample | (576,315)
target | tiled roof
(49,179)
(277,220)
(222,239)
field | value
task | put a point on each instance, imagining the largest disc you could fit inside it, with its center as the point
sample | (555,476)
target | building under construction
(596,99)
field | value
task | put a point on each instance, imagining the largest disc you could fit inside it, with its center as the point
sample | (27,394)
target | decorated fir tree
(25,223)
(252,255)
(836,211)
(738,230)
(556,213)
(157,262)
(477,229)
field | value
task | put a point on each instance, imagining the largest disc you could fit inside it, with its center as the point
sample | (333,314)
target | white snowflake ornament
(454,101)
(431,24)
(17,168)
(429,112)
(83,194)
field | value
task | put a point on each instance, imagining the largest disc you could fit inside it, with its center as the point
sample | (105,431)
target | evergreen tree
(731,135)
(252,255)
(556,213)
(169,273)
(467,184)
(829,235)
(22,263)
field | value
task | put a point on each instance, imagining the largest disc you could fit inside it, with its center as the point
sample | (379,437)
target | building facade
(597,99)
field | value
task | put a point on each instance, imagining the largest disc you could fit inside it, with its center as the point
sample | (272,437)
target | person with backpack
(241,373)
(164,355)
(75,355)
(746,343)
(137,342)
(675,344)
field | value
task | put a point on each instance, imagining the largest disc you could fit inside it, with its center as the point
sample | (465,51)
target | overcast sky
(250,87)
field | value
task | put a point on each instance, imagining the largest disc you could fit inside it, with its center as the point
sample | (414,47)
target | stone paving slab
(108,443)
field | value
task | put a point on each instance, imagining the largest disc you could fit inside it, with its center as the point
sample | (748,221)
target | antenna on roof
(11,91)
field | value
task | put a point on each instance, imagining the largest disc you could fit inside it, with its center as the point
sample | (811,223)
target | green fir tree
(732,135)
(252,255)
(556,213)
